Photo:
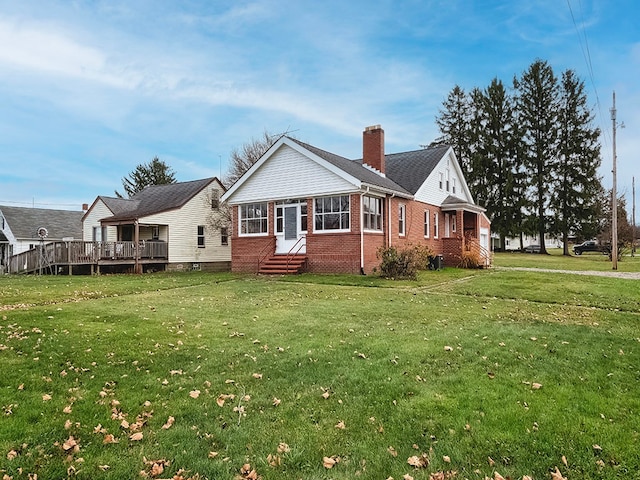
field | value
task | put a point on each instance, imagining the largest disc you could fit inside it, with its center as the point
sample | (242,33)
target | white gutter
(362,232)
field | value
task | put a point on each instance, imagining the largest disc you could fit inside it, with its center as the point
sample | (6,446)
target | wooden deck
(54,257)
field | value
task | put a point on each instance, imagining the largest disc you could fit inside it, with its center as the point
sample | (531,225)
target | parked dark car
(590,246)
(532,249)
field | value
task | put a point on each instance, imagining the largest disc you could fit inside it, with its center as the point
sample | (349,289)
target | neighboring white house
(177,217)
(23,229)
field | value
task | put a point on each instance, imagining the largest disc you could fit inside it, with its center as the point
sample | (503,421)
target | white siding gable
(289,173)
(92,219)
(183,230)
(447,168)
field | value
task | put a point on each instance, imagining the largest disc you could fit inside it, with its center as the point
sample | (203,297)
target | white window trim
(427,223)
(374,230)
(335,230)
(259,234)
(436,225)
(402,215)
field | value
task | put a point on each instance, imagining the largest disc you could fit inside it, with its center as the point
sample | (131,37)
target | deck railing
(54,254)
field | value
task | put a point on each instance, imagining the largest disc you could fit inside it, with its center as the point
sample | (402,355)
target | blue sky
(90,89)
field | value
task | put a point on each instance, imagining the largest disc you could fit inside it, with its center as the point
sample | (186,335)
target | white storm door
(288,238)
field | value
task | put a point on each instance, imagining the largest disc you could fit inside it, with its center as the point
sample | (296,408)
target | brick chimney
(373,147)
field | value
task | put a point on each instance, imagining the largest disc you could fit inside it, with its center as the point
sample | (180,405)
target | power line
(33,204)
(584,46)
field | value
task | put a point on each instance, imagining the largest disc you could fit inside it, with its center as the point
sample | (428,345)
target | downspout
(362,233)
(389,220)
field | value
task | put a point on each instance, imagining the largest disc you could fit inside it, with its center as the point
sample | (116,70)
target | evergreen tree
(495,155)
(537,101)
(578,192)
(156,172)
(454,121)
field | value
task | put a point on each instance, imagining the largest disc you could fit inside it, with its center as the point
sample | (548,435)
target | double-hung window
(331,213)
(253,219)
(224,236)
(402,220)
(372,213)
(427,223)
(436,225)
(200,236)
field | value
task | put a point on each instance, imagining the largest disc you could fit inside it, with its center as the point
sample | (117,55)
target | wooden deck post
(136,239)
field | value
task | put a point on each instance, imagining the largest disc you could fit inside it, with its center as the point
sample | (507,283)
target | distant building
(23,228)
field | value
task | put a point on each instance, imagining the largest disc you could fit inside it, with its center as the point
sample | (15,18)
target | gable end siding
(289,174)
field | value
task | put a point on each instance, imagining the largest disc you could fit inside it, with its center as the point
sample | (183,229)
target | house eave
(467,207)
(387,191)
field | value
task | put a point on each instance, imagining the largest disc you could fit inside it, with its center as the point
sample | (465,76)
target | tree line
(530,154)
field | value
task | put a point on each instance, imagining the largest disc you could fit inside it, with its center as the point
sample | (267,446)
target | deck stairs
(283,265)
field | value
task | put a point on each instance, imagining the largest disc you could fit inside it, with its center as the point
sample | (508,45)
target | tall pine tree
(156,172)
(578,191)
(496,156)
(454,121)
(537,102)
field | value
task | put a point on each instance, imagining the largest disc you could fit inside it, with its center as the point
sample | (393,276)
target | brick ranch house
(311,210)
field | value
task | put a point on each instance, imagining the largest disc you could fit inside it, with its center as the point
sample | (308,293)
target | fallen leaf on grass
(276,401)
(71,445)
(136,437)
(421,461)
(329,462)
(169,423)
(448,348)
(564,460)
(67,409)
(340,425)
(274,460)
(194,393)
(12,454)
(557,475)
(497,476)
(109,438)
(46,397)
(247,472)
(283,448)
(257,376)
(446,459)
(104,468)
(392,451)
(536,386)
(443,475)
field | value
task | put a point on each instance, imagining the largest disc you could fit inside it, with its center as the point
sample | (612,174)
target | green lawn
(197,375)
(555,260)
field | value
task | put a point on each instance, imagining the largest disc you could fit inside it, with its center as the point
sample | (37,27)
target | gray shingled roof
(411,169)
(154,199)
(24,222)
(355,169)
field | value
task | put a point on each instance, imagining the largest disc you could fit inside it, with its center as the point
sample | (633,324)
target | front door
(290,228)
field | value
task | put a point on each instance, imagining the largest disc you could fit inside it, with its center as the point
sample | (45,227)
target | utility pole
(614,195)
(633,230)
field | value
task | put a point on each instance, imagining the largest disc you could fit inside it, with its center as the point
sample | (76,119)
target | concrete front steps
(283,265)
